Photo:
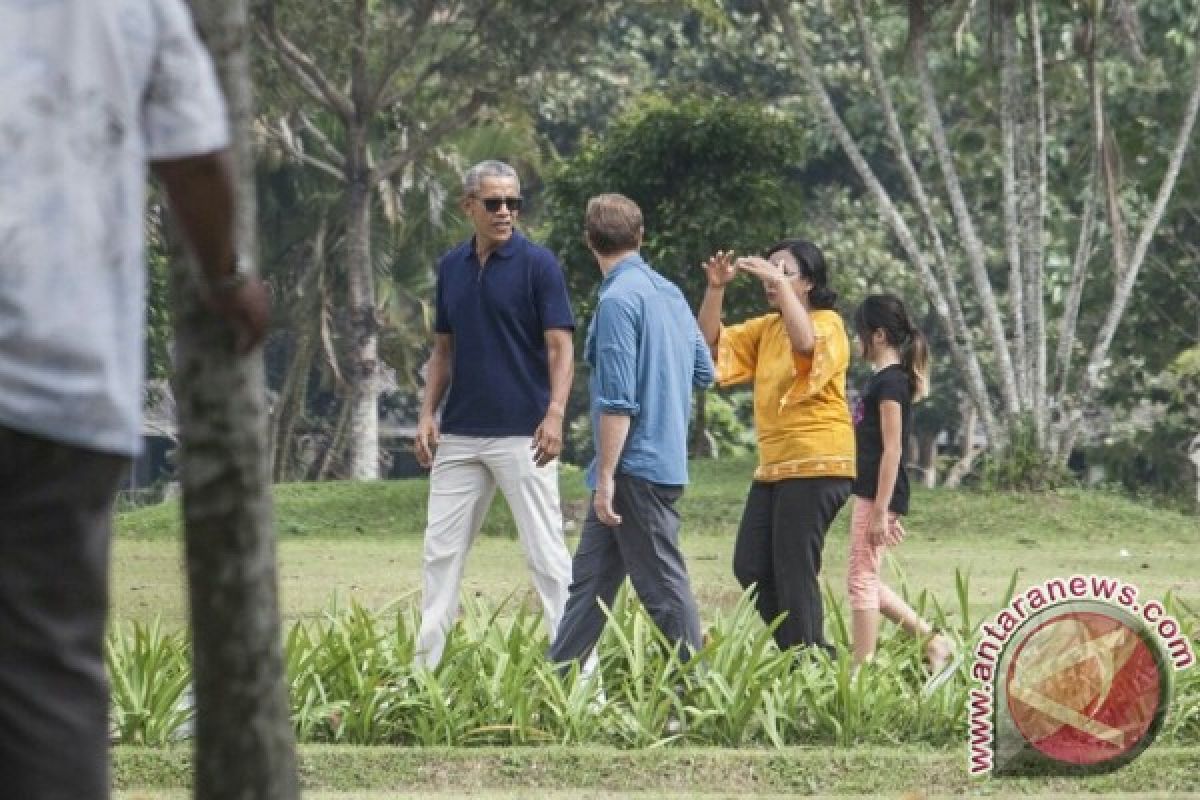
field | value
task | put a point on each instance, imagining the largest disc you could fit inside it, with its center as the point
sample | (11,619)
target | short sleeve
(831,356)
(737,351)
(614,343)
(441,319)
(183,112)
(894,387)
(550,294)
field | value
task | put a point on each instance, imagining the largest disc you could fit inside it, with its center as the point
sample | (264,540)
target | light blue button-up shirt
(646,353)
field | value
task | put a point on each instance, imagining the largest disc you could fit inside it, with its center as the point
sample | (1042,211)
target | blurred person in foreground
(90,92)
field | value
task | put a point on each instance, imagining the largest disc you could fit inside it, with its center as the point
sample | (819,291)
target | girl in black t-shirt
(883,420)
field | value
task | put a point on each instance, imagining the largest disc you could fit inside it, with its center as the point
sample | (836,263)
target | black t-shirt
(889,383)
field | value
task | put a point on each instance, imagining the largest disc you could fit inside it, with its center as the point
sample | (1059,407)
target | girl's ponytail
(914,357)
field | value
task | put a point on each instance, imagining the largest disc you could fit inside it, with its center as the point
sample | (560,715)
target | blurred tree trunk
(700,443)
(244,742)
(925,447)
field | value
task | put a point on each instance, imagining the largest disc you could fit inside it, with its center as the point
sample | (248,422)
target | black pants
(55,527)
(778,549)
(645,546)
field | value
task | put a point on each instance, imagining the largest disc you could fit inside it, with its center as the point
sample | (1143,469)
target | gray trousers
(55,527)
(645,546)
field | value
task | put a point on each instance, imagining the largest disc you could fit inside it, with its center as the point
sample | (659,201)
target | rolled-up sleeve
(831,355)
(615,341)
(703,371)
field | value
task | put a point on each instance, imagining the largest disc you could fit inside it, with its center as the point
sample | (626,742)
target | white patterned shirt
(90,90)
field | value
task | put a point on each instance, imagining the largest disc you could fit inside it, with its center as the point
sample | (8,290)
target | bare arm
(560,352)
(892,425)
(614,429)
(201,194)
(720,271)
(437,378)
(560,355)
(797,322)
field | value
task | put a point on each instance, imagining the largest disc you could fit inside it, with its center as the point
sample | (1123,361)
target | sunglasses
(492,204)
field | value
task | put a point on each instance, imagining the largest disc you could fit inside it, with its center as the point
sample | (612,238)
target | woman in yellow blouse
(796,357)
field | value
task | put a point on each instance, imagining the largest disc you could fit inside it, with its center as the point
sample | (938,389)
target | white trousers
(466,472)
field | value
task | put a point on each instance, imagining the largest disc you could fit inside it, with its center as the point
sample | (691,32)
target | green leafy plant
(353,681)
(149,671)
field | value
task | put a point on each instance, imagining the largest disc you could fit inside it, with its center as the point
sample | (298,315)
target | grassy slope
(363,542)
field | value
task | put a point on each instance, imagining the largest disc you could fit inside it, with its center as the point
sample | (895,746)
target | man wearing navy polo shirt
(646,354)
(503,360)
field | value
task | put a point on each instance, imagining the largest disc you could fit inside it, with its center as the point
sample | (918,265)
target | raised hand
(762,269)
(720,269)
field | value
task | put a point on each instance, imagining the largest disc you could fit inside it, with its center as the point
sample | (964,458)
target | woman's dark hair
(812,266)
(886,312)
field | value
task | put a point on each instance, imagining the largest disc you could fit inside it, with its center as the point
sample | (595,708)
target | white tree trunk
(973,247)
(362,336)
(958,332)
(1126,276)
(1009,91)
(244,742)
(963,354)
(1035,240)
(1070,315)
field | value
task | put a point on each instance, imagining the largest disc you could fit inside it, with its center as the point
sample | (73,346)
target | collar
(505,251)
(630,262)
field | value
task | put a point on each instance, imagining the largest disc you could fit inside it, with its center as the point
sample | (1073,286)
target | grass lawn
(342,541)
(572,794)
(673,772)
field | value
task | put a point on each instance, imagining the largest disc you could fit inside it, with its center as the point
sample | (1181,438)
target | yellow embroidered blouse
(800,410)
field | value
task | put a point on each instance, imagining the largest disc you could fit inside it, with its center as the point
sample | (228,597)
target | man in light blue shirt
(646,354)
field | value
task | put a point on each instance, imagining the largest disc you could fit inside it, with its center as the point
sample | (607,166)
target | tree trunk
(701,443)
(1035,237)
(244,741)
(927,457)
(362,328)
(958,331)
(961,349)
(290,406)
(325,461)
(1128,265)
(970,452)
(1009,92)
(972,245)
(306,316)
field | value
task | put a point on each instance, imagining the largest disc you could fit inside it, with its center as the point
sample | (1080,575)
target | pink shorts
(862,580)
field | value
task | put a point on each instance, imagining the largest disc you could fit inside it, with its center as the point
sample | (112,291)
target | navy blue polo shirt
(498,315)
